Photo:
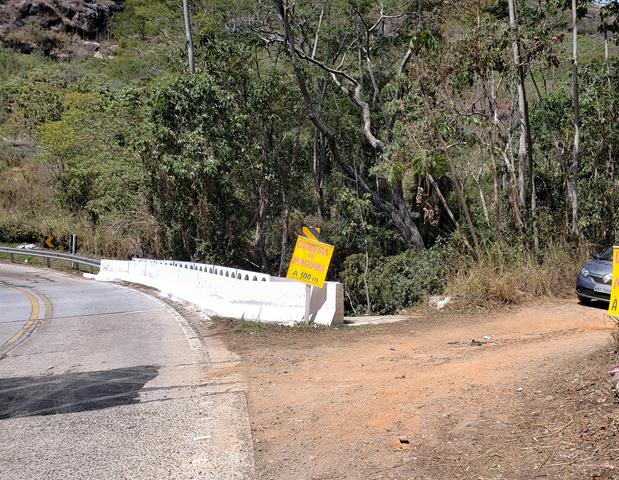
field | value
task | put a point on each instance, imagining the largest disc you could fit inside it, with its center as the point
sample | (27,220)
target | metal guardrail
(51,255)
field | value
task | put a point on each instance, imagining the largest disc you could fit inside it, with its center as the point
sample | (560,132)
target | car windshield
(606,255)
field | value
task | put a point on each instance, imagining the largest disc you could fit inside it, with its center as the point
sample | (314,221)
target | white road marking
(205,418)
(203,437)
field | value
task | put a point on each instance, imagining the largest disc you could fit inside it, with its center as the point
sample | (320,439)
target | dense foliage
(394,126)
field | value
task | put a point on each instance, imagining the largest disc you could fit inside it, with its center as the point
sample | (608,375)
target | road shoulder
(229,454)
(507,394)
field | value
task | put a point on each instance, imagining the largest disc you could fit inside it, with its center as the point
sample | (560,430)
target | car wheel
(584,300)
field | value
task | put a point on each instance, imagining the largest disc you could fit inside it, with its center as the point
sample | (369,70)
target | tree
(353,88)
(191,153)
(573,178)
(525,153)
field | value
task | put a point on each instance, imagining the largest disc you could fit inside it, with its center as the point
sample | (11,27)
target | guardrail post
(74,265)
(48,261)
(12,258)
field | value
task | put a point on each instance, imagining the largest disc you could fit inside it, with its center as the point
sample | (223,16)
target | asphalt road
(99,381)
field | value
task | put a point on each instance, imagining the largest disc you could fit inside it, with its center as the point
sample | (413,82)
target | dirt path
(529,398)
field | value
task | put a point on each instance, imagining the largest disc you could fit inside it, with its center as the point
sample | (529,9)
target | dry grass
(29,211)
(510,275)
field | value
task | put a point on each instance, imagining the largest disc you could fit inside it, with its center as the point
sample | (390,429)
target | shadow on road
(72,392)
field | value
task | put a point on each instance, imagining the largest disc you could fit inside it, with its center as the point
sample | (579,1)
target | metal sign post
(308,299)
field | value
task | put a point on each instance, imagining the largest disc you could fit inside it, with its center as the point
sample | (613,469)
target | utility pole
(192,66)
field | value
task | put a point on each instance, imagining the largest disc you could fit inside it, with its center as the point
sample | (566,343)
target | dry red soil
(516,394)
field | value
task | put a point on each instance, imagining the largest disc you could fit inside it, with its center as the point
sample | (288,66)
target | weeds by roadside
(509,275)
(506,274)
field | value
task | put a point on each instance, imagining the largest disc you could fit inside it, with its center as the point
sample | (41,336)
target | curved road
(101,381)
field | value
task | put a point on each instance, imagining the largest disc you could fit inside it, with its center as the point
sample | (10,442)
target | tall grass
(510,275)
(30,211)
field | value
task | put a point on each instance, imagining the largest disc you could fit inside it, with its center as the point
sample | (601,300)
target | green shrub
(393,282)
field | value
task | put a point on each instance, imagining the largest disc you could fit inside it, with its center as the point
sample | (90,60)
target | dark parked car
(595,278)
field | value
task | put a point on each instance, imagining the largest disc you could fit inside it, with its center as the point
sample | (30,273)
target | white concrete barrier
(232,293)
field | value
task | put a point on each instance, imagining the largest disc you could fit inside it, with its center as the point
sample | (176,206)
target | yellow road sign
(613,307)
(49,241)
(310,262)
(311,232)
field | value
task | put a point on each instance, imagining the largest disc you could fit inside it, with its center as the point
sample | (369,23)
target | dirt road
(516,394)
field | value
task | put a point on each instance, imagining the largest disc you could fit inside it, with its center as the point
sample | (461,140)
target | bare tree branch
(322,11)
(315,117)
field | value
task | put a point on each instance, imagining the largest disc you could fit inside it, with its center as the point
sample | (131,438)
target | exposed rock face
(57,28)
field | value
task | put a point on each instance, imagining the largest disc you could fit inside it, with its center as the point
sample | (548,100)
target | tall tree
(573,178)
(353,88)
(525,148)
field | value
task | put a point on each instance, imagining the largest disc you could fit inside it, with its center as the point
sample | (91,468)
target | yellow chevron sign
(312,233)
(49,241)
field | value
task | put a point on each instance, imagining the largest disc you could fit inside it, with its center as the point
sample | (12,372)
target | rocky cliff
(59,28)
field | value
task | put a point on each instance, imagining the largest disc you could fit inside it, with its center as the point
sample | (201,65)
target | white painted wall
(232,293)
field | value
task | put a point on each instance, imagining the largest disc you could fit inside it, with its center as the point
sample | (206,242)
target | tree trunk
(192,67)
(513,190)
(524,146)
(491,137)
(318,170)
(534,218)
(605,30)
(284,242)
(260,226)
(402,217)
(476,178)
(573,179)
(522,188)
